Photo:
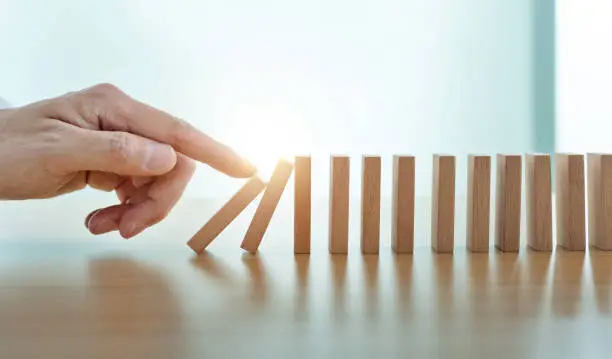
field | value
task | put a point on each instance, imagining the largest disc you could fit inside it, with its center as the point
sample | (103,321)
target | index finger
(121,112)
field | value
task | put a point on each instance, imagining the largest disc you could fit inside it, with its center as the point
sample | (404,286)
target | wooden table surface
(65,294)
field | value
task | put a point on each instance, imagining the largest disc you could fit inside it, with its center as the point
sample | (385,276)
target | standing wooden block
(478,203)
(370,205)
(267,206)
(302,204)
(508,203)
(600,200)
(569,201)
(539,202)
(402,232)
(443,204)
(339,204)
(226,215)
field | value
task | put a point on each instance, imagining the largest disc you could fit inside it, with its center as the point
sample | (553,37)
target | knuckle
(76,100)
(121,147)
(105,90)
(107,98)
(181,131)
(67,109)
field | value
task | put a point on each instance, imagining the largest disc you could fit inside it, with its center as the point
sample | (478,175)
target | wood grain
(600,200)
(508,203)
(538,193)
(119,299)
(478,203)
(302,205)
(570,201)
(339,204)
(226,215)
(402,230)
(267,206)
(443,204)
(370,204)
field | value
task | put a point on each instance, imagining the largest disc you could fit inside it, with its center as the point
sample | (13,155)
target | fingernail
(159,157)
(90,217)
(104,226)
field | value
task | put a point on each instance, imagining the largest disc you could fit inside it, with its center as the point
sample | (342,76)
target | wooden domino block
(443,204)
(267,206)
(339,204)
(226,215)
(402,232)
(599,179)
(508,203)
(570,201)
(302,206)
(538,193)
(370,205)
(478,203)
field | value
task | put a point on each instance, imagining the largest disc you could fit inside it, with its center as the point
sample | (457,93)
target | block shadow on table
(142,306)
(495,283)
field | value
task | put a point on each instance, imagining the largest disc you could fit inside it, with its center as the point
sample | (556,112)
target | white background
(275,77)
(584,75)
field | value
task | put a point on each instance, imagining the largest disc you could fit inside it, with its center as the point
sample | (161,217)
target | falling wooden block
(267,206)
(370,205)
(402,232)
(302,204)
(443,204)
(508,203)
(569,201)
(600,200)
(538,193)
(339,204)
(478,203)
(226,215)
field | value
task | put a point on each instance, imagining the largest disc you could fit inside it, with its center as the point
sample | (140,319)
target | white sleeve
(3,103)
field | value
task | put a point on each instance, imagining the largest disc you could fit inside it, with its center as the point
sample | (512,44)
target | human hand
(103,138)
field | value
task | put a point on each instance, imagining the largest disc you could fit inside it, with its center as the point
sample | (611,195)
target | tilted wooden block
(570,201)
(226,215)
(267,206)
(302,206)
(443,204)
(508,203)
(402,232)
(370,205)
(600,200)
(339,204)
(478,203)
(539,202)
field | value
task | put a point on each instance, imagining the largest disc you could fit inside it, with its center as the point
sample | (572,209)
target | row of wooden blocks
(570,204)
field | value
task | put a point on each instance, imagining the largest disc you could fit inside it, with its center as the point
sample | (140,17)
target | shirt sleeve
(4,103)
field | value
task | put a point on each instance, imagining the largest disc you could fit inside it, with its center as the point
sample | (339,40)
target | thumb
(122,153)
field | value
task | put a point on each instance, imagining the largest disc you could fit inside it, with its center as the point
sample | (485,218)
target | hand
(103,138)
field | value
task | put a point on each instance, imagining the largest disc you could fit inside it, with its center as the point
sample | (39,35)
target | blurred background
(274,77)
(584,75)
